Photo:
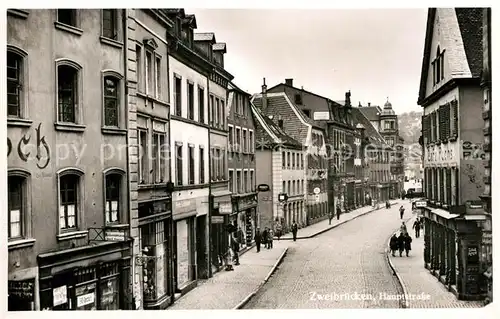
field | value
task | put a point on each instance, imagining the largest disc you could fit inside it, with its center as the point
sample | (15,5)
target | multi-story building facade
(486,197)
(68,215)
(302,114)
(342,184)
(189,74)
(376,155)
(281,166)
(242,165)
(452,129)
(220,196)
(149,168)
(385,121)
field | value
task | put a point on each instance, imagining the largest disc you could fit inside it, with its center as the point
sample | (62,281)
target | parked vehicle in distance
(414,193)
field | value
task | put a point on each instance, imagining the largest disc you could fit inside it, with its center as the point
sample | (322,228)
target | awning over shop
(442,213)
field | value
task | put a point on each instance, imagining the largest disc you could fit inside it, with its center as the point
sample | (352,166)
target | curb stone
(252,294)
(405,303)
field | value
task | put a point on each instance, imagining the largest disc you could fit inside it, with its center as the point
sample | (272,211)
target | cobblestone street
(418,280)
(350,259)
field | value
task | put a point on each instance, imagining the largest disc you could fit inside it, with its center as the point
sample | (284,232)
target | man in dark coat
(294,230)
(235,242)
(257,239)
(407,243)
(401,211)
(393,244)
(330,217)
(416,226)
(401,244)
(263,239)
(338,212)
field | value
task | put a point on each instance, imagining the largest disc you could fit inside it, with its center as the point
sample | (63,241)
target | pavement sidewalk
(416,280)
(323,226)
(228,289)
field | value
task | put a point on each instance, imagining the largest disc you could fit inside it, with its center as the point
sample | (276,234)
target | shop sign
(263,188)
(86,299)
(115,235)
(24,290)
(225,208)
(316,190)
(217,219)
(420,204)
(487,239)
(60,295)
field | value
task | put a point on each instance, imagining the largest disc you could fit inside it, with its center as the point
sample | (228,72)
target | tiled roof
(207,36)
(221,46)
(370,112)
(470,25)
(277,101)
(232,86)
(470,21)
(268,134)
(370,131)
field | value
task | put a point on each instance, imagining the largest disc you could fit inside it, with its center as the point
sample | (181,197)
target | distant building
(452,127)
(288,112)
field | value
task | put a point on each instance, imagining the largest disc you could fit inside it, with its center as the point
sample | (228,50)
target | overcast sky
(374,53)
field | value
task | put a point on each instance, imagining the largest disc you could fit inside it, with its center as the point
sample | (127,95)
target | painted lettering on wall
(42,155)
(473,175)
(472,151)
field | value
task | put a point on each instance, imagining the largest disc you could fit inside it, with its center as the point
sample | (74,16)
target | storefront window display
(154,244)
(184,251)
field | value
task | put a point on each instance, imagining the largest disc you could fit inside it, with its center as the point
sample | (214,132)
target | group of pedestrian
(265,238)
(401,243)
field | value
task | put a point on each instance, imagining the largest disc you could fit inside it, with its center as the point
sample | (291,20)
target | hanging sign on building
(60,295)
(316,190)
(115,235)
(225,208)
(420,204)
(217,219)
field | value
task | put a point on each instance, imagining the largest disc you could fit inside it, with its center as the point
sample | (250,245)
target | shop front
(156,258)
(221,208)
(184,219)
(245,216)
(453,251)
(96,276)
(21,295)
(358,194)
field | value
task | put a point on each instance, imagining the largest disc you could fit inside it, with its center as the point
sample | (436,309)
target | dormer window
(298,99)
(307,112)
(438,67)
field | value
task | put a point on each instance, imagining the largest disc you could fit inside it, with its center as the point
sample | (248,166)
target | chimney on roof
(264,96)
(360,104)
(348,98)
(369,104)
(289,82)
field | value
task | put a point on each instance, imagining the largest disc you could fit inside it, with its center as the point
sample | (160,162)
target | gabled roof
(206,36)
(370,112)
(470,25)
(221,46)
(370,131)
(277,101)
(268,134)
(234,87)
(176,11)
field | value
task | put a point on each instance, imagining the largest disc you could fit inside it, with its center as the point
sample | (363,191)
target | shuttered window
(448,186)
(454,118)
(441,185)
(435,184)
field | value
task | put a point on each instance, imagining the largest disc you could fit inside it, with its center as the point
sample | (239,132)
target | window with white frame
(178,95)
(238,140)
(112,99)
(142,134)
(113,182)
(252,180)
(245,181)
(190,100)
(70,199)
(222,114)
(245,141)
(159,157)
(251,140)
(178,163)
(110,23)
(231,137)
(238,181)
(153,74)
(201,164)
(191,164)
(231,181)
(201,104)
(18,211)
(217,113)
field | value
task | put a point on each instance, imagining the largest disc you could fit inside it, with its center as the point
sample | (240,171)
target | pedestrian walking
(401,211)
(278,230)
(393,244)
(338,211)
(403,229)
(240,237)
(407,243)
(294,230)
(257,239)
(264,237)
(236,249)
(401,244)
(416,226)
(270,241)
